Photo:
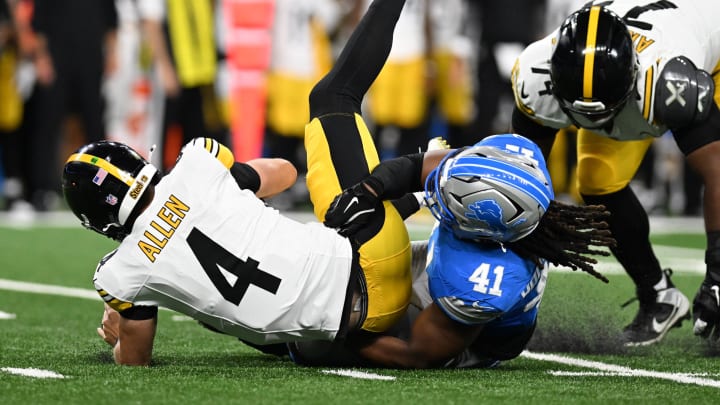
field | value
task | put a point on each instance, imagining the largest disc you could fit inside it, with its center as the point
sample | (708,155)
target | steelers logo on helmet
(487,193)
(593,66)
(103,182)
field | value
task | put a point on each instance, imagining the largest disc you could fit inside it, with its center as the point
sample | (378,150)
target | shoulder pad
(683,93)
(215,148)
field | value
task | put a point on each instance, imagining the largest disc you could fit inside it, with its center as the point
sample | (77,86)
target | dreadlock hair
(566,235)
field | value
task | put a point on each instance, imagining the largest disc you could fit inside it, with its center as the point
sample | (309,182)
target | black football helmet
(102,182)
(593,66)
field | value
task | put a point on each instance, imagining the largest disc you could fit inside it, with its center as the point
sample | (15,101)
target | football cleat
(654,319)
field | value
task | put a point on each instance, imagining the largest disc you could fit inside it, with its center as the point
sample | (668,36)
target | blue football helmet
(496,190)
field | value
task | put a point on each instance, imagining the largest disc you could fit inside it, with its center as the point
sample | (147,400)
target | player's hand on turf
(706,311)
(109,326)
(352,209)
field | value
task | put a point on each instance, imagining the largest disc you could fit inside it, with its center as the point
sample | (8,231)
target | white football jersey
(294,46)
(671,28)
(210,250)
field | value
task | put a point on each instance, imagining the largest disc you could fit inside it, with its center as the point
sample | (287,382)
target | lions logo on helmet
(103,182)
(491,192)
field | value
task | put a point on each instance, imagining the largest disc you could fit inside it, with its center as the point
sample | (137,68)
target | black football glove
(706,311)
(352,209)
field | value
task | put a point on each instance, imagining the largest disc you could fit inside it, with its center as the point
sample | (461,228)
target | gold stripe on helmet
(103,164)
(590,52)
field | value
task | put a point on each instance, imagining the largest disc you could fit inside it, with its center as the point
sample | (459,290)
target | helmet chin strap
(135,192)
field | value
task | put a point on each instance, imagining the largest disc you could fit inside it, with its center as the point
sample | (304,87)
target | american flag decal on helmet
(100,177)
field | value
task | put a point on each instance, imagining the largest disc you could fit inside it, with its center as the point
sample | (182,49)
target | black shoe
(655,318)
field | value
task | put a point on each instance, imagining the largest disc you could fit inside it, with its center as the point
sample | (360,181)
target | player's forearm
(392,352)
(396,177)
(135,342)
(435,339)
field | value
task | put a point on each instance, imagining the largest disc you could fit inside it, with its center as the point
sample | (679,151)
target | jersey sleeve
(467,313)
(532,87)
(114,303)
(104,281)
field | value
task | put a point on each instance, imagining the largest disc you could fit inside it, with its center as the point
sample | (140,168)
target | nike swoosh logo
(351,203)
(716,290)
(523,95)
(658,327)
(359,213)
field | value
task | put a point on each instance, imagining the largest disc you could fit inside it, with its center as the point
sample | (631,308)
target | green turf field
(573,358)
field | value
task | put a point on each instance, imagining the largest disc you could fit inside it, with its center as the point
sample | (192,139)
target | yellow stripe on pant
(385,258)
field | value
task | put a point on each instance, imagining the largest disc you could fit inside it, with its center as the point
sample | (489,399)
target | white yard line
(613,369)
(23,286)
(32,372)
(359,374)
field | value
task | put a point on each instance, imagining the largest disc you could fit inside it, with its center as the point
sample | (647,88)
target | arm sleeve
(245,176)
(396,177)
(140,312)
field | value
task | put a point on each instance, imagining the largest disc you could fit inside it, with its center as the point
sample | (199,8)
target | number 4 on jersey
(481,278)
(213,256)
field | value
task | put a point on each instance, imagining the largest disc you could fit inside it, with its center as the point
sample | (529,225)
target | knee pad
(596,176)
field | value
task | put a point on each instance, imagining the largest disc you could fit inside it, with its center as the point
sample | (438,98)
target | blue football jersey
(483,283)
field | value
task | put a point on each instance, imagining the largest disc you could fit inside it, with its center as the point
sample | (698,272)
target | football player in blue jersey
(486,260)
(498,227)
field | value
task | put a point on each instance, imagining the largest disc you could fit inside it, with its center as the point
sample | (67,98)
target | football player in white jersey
(625,72)
(199,240)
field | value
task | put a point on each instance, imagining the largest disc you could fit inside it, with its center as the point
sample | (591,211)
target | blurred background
(157,73)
